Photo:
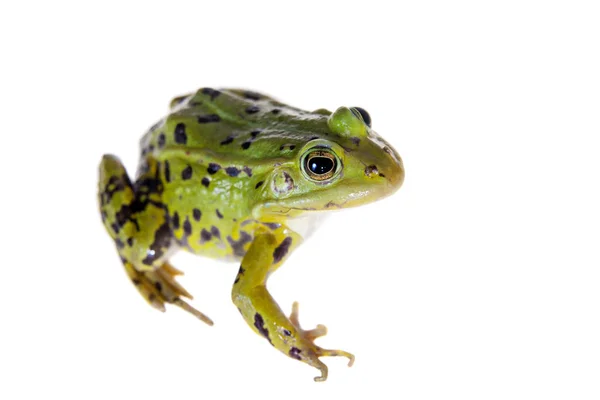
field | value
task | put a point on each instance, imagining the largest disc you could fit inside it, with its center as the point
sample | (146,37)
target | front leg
(266,253)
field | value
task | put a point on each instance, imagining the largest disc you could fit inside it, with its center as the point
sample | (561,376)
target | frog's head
(346,165)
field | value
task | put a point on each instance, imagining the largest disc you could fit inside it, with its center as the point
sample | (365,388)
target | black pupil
(320,165)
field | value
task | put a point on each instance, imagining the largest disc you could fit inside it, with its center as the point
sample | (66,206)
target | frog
(227,174)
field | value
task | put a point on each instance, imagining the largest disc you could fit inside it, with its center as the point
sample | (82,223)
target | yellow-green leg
(137,221)
(266,253)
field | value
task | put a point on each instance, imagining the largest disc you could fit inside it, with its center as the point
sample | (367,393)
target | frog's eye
(358,111)
(320,164)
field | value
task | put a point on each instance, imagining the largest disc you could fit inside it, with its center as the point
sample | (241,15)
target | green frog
(228,174)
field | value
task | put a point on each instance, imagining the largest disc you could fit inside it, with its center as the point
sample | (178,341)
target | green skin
(224,175)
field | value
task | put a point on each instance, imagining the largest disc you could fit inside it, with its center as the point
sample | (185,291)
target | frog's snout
(386,168)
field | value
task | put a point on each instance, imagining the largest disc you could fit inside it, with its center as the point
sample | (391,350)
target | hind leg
(137,221)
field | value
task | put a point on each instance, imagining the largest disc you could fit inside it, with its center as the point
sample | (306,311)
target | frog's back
(231,124)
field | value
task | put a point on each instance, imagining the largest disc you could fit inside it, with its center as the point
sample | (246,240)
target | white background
(479,279)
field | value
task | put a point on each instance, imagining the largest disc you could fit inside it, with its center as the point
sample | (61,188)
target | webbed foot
(159,287)
(308,351)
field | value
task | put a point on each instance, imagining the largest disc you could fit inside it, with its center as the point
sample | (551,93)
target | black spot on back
(228,140)
(206,119)
(259,184)
(161,140)
(252,109)
(219,214)
(251,95)
(211,92)
(246,145)
(197,214)
(232,171)
(213,168)
(186,173)
(180,136)
(205,182)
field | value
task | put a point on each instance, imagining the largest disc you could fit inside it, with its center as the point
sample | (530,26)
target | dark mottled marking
(150,148)
(371,170)
(151,297)
(162,240)
(180,136)
(295,353)
(205,236)
(119,243)
(232,171)
(175,220)
(251,95)
(238,245)
(213,168)
(247,170)
(205,182)
(259,184)
(239,274)
(228,140)
(281,250)
(355,140)
(115,184)
(197,214)
(332,204)
(206,119)
(275,111)
(246,145)
(215,232)
(259,323)
(167,172)
(123,260)
(381,175)
(252,109)
(130,241)
(272,225)
(115,227)
(161,140)
(211,92)
(136,281)
(103,215)
(187,227)
(287,333)
(219,214)
(186,173)
(158,286)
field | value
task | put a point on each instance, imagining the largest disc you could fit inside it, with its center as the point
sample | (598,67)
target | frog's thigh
(137,223)
(267,252)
